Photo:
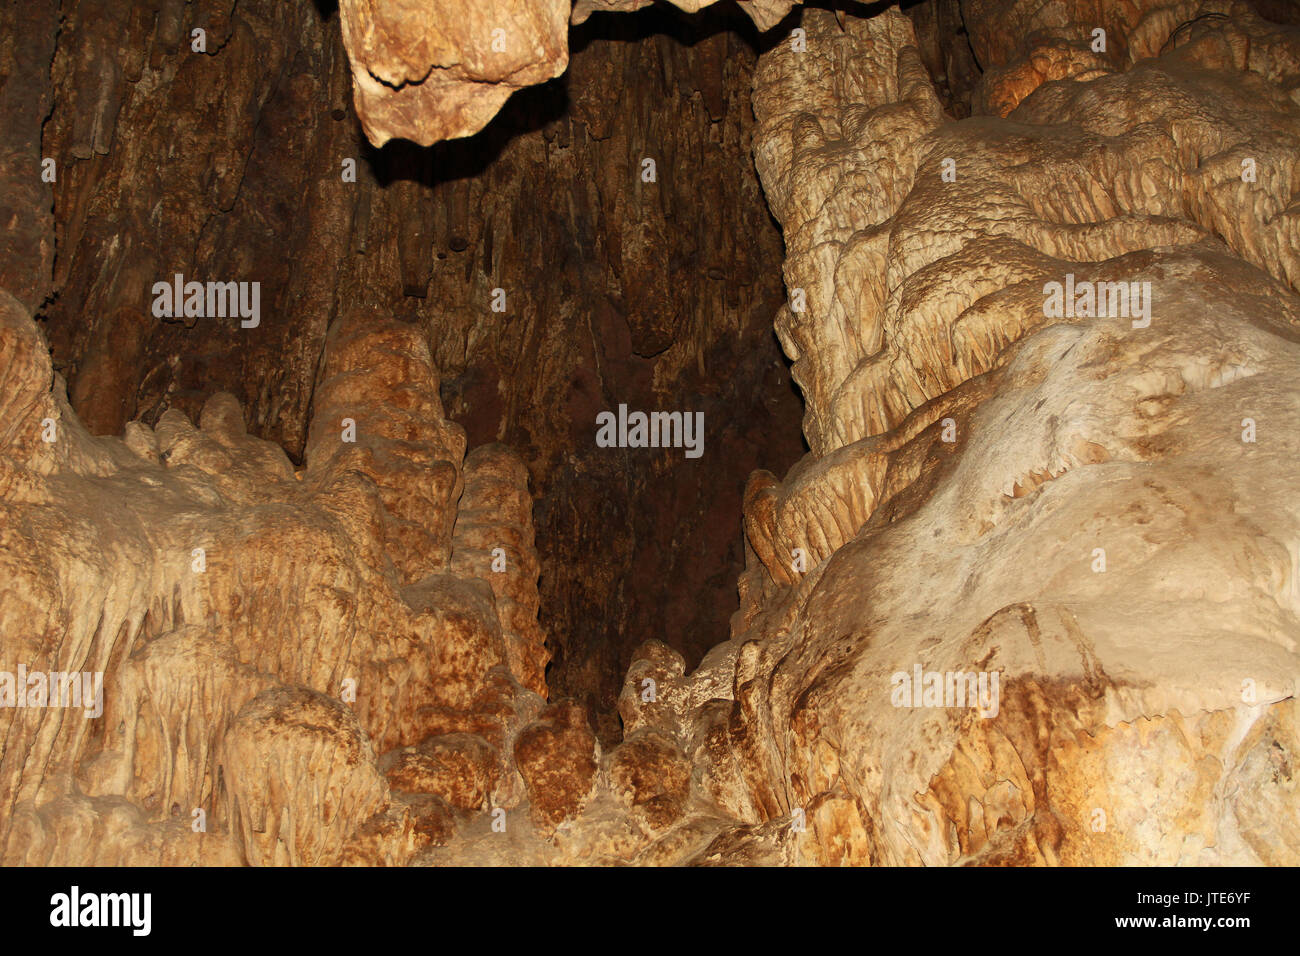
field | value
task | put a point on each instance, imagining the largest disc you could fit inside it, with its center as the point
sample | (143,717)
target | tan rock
(459,768)
(1030,598)
(440,69)
(300,777)
(1060,536)
(168,575)
(494,540)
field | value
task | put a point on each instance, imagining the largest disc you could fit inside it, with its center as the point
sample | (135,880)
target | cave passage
(603,242)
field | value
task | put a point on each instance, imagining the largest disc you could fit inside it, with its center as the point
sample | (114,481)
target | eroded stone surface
(1070,503)
(438,70)
(659,295)
(441,69)
(258,642)
(1096,509)
(926,310)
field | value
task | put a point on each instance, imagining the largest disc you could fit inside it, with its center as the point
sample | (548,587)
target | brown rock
(459,768)
(652,778)
(557,755)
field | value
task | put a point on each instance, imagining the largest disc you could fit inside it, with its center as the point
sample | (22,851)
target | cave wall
(273,665)
(1076,502)
(659,297)
(228,165)
(1097,508)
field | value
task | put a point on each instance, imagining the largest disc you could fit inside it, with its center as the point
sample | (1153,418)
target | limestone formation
(434,71)
(1059,534)
(354,586)
(660,296)
(263,647)
(441,69)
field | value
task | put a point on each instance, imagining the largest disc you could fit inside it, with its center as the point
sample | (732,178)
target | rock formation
(167,562)
(659,295)
(1030,594)
(1082,493)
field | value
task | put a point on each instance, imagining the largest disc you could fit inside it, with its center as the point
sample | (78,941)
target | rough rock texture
(658,295)
(260,636)
(26,241)
(433,71)
(216,165)
(494,540)
(1123,684)
(557,755)
(1088,509)
(441,69)
(1084,505)
(764,13)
